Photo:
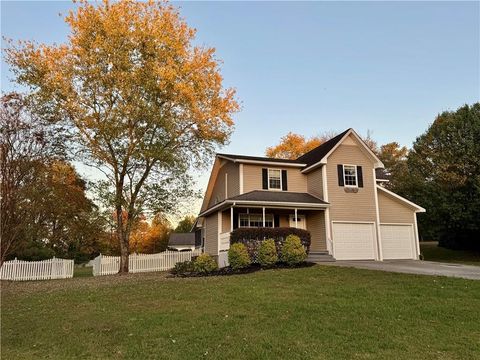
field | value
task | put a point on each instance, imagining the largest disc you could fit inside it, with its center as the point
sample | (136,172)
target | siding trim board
(327,211)
(240,170)
(377,215)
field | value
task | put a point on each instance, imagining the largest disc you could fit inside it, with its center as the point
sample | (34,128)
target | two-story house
(332,191)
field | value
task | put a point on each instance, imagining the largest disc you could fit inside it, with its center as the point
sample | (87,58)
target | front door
(301,222)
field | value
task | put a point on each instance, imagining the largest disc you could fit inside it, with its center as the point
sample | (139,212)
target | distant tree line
(44,209)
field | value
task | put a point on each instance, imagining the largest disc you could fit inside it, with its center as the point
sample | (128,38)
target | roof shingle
(278,196)
(317,154)
(182,239)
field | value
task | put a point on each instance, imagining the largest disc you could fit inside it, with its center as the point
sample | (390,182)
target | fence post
(132,260)
(99,266)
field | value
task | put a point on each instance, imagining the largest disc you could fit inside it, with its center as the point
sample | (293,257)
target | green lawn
(82,271)
(318,312)
(432,252)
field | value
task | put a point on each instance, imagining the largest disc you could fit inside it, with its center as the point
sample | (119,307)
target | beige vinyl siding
(316,226)
(233,188)
(347,206)
(225,221)
(394,211)
(211,234)
(315,183)
(252,178)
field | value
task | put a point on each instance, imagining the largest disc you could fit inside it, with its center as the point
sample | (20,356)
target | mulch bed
(227,271)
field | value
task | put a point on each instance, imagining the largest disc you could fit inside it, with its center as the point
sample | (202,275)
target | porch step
(320,256)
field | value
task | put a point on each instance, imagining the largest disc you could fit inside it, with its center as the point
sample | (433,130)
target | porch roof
(278,199)
(279,196)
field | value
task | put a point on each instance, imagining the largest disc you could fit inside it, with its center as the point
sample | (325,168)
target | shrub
(204,263)
(267,253)
(238,257)
(253,237)
(293,252)
(183,267)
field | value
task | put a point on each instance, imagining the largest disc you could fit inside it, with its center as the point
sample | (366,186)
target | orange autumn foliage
(292,146)
(150,238)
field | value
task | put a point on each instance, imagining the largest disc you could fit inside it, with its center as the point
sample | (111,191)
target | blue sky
(310,67)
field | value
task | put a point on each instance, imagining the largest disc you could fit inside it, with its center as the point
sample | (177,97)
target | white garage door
(397,241)
(353,241)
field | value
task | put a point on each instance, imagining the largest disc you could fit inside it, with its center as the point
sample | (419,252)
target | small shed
(182,241)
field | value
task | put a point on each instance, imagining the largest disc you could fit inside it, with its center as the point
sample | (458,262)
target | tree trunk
(123,239)
(124,251)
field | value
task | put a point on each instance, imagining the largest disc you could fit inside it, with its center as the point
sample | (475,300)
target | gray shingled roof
(310,158)
(317,154)
(278,196)
(259,158)
(182,239)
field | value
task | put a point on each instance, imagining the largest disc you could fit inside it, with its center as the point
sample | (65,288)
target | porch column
(296,219)
(231,219)
(263,216)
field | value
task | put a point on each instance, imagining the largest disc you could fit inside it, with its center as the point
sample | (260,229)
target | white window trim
(248,215)
(268,179)
(356,176)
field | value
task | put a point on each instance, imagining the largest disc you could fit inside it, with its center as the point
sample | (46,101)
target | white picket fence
(107,265)
(19,270)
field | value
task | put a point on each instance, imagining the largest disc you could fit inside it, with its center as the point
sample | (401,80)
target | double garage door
(357,241)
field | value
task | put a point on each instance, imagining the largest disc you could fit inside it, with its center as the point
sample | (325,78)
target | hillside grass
(432,252)
(317,312)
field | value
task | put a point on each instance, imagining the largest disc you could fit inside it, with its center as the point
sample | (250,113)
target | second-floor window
(350,175)
(274,179)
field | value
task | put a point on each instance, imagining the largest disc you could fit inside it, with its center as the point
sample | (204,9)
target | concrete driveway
(415,267)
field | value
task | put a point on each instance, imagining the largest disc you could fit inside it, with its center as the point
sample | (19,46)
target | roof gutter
(261,162)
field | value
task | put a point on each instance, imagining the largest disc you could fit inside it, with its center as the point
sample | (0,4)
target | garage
(353,241)
(397,241)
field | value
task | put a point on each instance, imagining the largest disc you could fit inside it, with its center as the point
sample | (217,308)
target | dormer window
(274,179)
(350,175)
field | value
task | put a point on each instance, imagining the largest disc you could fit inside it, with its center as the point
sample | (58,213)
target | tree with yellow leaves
(141,103)
(292,146)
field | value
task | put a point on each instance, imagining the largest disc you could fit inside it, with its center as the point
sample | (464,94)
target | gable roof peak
(317,156)
(318,153)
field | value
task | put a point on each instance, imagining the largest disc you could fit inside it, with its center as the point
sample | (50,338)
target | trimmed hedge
(293,253)
(267,253)
(183,267)
(253,237)
(204,263)
(238,257)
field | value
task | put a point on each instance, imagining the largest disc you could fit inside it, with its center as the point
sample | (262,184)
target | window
(350,175)
(274,179)
(255,220)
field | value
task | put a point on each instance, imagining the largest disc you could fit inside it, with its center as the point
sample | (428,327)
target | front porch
(312,220)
